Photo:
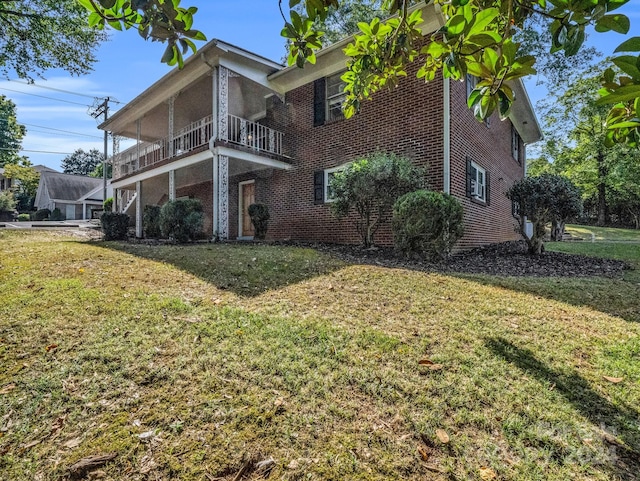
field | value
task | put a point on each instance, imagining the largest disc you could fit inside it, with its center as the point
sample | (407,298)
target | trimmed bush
(115,225)
(57,214)
(182,220)
(151,221)
(24,218)
(259,214)
(7,201)
(108,204)
(427,224)
(42,214)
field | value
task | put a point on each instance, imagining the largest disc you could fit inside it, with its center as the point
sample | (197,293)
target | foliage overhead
(82,162)
(39,35)
(369,186)
(11,132)
(157,20)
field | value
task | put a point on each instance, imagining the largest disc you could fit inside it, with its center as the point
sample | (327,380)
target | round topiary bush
(182,220)
(151,221)
(427,224)
(115,225)
(57,215)
(42,214)
(259,214)
(24,218)
(107,205)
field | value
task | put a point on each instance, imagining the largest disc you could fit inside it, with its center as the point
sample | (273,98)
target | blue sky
(128,65)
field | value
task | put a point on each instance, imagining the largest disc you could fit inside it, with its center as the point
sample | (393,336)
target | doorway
(246,197)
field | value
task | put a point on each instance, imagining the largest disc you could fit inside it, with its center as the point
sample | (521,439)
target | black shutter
(318,187)
(319,102)
(469,177)
(487,194)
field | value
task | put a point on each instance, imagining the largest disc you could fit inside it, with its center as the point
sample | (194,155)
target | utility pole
(103,109)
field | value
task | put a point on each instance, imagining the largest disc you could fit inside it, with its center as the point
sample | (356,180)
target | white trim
(241,208)
(474,185)
(249,157)
(447,137)
(325,192)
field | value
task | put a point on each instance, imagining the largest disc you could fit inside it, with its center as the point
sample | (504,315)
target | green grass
(230,353)
(607,234)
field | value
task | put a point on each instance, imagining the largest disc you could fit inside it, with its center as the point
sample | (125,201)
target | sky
(58,122)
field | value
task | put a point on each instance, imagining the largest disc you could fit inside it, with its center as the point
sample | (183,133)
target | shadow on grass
(246,269)
(623,456)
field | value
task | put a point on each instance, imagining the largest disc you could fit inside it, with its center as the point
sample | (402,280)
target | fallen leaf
(147,435)
(442,436)
(425,362)
(51,347)
(72,443)
(30,445)
(487,474)
(435,367)
(7,389)
(423,453)
(89,463)
(57,426)
(614,380)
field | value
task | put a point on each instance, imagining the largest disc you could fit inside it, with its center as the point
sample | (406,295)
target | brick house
(233,128)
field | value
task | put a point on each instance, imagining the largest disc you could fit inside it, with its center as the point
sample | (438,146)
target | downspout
(446,187)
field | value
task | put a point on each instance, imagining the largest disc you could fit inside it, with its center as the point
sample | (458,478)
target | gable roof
(68,187)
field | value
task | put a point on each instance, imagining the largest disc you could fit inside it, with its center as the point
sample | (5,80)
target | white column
(138,134)
(84,211)
(223,197)
(214,199)
(214,107)
(172,102)
(172,185)
(223,103)
(139,207)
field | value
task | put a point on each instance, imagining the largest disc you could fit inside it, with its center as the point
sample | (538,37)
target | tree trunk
(602,191)
(557,230)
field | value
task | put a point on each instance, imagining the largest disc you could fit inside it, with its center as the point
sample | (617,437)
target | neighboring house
(77,196)
(233,128)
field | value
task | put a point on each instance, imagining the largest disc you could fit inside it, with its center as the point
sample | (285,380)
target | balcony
(241,133)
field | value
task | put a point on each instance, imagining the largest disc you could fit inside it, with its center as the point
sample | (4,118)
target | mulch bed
(509,259)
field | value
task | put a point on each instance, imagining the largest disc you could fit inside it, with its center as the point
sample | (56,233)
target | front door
(247,196)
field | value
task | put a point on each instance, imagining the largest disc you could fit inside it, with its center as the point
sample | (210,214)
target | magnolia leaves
(158,20)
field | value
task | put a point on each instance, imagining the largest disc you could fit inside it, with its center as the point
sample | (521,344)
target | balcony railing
(240,132)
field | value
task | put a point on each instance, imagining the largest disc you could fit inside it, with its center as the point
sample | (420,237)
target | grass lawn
(187,362)
(591,232)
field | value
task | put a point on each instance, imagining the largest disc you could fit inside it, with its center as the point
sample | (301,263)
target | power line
(60,130)
(39,151)
(43,97)
(62,91)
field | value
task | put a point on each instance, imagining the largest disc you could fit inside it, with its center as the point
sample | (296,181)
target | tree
(11,132)
(370,186)
(540,200)
(97,172)
(577,144)
(39,35)
(478,38)
(81,162)
(27,180)
(567,206)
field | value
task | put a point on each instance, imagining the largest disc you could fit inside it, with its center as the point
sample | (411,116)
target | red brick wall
(490,147)
(407,120)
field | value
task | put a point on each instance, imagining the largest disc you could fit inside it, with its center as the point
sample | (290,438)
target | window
(516,143)
(328,176)
(322,184)
(335,97)
(477,182)
(471,84)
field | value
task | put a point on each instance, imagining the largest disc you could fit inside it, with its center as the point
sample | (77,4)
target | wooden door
(247,197)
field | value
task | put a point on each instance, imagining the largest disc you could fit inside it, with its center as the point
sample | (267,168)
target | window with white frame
(477,182)
(328,177)
(335,97)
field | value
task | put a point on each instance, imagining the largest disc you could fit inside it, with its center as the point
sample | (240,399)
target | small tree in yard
(370,186)
(181,220)
(259,214)
(540,200)
(568,205)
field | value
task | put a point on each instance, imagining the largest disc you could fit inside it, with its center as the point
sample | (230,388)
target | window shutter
(469,179)
(319,101)
(318,187)
(487,181)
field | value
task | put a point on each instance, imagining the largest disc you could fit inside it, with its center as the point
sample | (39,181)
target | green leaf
(613,4)
(622,94)
(631,45)
(455,25)
(628,64)
(617,22)
(482,19)
(624,125)
(94,19)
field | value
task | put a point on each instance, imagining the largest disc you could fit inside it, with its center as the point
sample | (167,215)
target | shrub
(7,201)
(370,186)
(107,205)
(182,220)
(115,225)
(57,214)
(42,214)
(540,200)
(259,214)
(151,221)
(24,218)
(427,224)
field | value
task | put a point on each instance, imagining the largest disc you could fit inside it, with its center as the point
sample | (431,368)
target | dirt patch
(505,259)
